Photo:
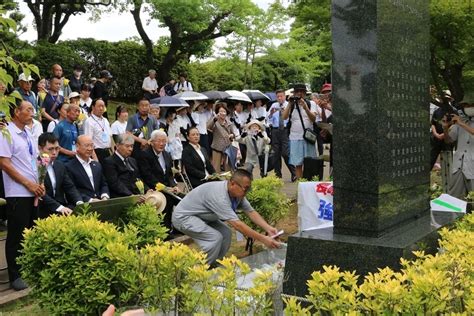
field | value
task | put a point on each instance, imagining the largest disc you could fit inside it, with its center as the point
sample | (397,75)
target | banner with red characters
(315,205)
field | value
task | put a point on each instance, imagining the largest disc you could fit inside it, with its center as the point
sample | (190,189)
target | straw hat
(252,122)
(157,199)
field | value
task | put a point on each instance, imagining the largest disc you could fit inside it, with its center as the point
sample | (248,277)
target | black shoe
(278,175)
(19,284)
(293,178)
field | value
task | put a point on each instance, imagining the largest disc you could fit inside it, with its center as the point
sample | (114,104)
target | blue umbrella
(272,96)
(169,102)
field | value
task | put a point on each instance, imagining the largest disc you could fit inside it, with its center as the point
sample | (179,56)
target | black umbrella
(169,102)
(216,95)
(256,95)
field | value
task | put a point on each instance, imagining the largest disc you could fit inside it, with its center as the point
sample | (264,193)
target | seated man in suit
(86,173)
(121,170)
(60,190)
(155,167)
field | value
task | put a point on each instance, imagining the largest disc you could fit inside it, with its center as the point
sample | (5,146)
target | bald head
(84,147)
(57,70)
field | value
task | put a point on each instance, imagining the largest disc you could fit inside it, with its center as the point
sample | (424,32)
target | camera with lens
(295,99)
(136,131)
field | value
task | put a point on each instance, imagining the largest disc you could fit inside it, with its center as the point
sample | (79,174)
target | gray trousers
(280,148)
(459,185)
(213,237)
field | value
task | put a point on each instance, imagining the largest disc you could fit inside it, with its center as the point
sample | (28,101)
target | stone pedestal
(310,251)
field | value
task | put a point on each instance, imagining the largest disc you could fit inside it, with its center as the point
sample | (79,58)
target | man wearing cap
(150,86)
(25,90)
(301,114)
(100,89)
(460,130)
(279,134)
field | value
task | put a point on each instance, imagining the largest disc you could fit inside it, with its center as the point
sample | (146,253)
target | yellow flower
(140,186)
(66,81)
(160,186)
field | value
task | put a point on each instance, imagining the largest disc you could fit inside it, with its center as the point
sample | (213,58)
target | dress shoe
(19,284)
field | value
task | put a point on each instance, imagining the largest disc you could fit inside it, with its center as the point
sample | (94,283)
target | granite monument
(380,77)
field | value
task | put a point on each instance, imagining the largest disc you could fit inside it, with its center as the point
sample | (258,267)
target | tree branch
(208,33)
(141,31)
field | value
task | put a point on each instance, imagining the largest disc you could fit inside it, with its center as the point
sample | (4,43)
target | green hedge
(430,285)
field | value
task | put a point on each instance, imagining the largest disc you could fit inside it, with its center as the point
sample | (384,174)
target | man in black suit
(86,173)
(121,170)
(155,167)
(60,190)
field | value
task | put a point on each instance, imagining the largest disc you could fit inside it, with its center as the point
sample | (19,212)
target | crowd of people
(92,159)
(89,159)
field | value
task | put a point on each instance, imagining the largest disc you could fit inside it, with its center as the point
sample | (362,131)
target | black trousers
(102,153)
(204,142)
(20,214)
(280,149)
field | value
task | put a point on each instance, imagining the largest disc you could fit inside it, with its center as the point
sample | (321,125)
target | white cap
(74,94)
(22,77)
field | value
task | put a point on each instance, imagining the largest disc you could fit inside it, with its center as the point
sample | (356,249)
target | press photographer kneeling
(301,114)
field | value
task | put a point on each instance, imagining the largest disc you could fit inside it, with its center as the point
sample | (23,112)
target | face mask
(469,111)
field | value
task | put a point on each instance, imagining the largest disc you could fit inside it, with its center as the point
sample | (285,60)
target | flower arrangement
(43,162)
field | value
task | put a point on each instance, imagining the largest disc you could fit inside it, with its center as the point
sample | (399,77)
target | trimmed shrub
(77,264)
(143,220)
(439,284)
(268,200)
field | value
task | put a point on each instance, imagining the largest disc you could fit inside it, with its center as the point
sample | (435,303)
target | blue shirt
(66,132)
(274,120)
(31,97)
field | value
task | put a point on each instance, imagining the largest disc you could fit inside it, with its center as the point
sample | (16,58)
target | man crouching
(205,211)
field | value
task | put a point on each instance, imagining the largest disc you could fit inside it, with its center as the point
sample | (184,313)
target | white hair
(124,139)
(156,133)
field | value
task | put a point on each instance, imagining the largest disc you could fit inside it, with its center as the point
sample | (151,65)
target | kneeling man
(205,211)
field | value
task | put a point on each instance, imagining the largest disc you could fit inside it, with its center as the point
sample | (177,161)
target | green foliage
(267,199)
(79,265)
(452,34)
(10,68)
(146,223)
(429,285)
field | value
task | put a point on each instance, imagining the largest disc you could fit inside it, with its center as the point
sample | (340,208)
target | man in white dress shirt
(98,128)
(150,86)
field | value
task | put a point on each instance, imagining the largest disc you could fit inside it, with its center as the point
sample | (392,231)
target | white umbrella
(191,95)
(169,102)
(238,96)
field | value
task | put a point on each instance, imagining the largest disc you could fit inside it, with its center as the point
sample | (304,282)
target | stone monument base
(310,250)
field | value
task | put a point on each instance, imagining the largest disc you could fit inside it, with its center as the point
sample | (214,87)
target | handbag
(309,134)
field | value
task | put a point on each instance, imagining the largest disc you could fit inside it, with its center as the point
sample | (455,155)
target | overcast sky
(111,27)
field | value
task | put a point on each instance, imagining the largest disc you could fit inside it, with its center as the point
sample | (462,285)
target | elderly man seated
(121,170)
(155,167)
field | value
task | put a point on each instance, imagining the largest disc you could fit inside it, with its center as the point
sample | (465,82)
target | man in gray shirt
(205,211)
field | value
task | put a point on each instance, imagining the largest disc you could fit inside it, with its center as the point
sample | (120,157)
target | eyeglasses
(243,188)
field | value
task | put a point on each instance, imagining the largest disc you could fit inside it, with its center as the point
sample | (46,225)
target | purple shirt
(23,152)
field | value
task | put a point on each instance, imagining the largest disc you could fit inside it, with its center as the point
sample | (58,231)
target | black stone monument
(380,80)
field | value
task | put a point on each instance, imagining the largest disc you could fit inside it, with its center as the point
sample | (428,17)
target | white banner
(315,205)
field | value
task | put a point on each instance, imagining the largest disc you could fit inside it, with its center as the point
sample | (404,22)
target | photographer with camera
(460,130)
(301,114)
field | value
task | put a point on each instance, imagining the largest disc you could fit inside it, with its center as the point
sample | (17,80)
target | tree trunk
(146,40)
(168,62)
(452,75)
